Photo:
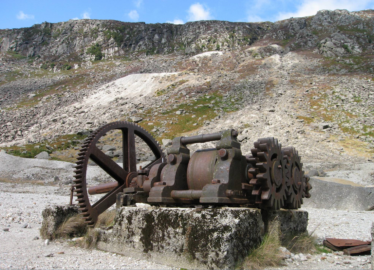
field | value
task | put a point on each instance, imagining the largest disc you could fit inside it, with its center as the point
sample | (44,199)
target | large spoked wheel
(123,175)
(270,183)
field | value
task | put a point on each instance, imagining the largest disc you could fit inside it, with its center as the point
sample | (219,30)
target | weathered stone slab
(190,238)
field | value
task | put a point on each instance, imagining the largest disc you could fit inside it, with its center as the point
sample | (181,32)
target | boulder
(42,155)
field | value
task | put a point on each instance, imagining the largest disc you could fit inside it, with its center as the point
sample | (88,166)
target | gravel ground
(20,221)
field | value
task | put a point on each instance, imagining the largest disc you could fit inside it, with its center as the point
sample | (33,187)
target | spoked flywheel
(123,176)
(269,186)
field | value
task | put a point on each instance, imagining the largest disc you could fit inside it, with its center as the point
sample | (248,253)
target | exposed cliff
(332,33)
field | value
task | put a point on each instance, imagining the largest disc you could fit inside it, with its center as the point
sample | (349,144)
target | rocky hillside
(307,81)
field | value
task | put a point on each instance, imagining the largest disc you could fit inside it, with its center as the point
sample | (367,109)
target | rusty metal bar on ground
(357,250)
(348,246)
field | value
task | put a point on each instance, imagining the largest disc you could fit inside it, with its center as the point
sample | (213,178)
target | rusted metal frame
(128,149)
(108,165)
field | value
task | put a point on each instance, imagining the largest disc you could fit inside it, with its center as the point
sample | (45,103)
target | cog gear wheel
(89,150)
(296,179)
(269,186)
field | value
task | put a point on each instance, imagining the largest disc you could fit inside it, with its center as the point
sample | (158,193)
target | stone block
(191,238)
(289,223)
(53,217)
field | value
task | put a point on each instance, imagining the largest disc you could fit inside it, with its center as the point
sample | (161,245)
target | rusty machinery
(269,178)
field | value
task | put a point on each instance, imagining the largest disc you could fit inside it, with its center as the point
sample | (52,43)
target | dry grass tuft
(106,219)
(303,243)
(92,236)
(72,227)
(267,254)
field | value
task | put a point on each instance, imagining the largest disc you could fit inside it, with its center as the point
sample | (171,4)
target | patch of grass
(195,113)
(16,55)
(72,227)
(92,236)
(106,219)
(303,243)
(170,87)
(322,249)
(267,254)
(307,120)
(58,144)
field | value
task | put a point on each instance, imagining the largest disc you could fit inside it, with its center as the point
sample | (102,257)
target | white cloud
(133,14)
(76,18)
(311,7)
(197,12)
(254,18)
(176,21)
(23,16)
(138,3)
(86,15)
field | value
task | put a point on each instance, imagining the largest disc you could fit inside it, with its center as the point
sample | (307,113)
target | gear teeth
(254,152)
(253,170)
(265,195)
(262,166)
(264,147)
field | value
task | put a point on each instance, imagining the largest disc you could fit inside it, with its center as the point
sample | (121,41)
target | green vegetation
(96,51)
(66,67)
(170,87)
(117,36)
(346,48)
(44,66)
(322,249)
(58,144)
(16,55)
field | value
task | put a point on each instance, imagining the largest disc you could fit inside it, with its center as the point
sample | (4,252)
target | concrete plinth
(193,238)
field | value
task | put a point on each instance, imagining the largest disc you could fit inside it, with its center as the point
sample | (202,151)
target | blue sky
(25,13)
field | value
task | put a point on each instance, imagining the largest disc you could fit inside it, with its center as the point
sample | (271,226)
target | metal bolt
(223,153)
(172,159)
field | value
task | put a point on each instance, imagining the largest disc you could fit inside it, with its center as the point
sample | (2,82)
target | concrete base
(195,238)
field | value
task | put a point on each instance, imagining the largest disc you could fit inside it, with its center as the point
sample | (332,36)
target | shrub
(66,67)
(96,51)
